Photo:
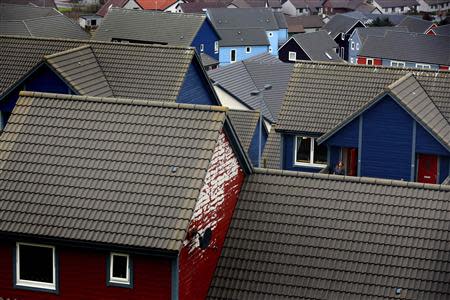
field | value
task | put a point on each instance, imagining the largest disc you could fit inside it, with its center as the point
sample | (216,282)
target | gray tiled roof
(149,26)
(415,24)
(315,236)
(102,169)
(272,151)
(396,3)
(200,6)
(244,122)
(243,37)
(34,21)
(40,3)
(208,60)
(442,30)
(313,21)
(317,45)
(240,79)
(243,18)
(321,95)
(80,68)
(132,70)
(408,92)
(339,24)
(345,4)
(421,48)
(104,9)
(364,32)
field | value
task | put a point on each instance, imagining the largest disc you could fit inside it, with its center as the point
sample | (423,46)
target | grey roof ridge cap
(125,101)
(399,81)
(97,42)
(370,180)
(150,11)
(336,63)
(71,50)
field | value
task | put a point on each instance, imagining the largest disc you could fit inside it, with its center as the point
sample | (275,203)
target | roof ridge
(370,180)
(137,45)
(309,62)
(124,101)
(71,50)
(400,80)
(150,11)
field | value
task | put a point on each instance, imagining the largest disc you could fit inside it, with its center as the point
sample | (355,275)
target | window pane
(119,266)
(303,149)
(36,263)
(320,153)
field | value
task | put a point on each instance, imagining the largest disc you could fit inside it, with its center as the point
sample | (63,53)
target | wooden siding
(291,46)
(427,144)
(206,35)
(214,210)
(195,88)
(82,275)
(254,145)
(346,137)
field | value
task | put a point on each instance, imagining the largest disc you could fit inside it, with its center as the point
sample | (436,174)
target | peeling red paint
(214,210)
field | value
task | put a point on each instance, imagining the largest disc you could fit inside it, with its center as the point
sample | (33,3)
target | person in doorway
(339,169)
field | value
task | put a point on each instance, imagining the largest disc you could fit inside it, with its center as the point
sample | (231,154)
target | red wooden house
(114,198)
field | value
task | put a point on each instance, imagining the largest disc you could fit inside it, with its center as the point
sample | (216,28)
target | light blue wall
(387,62)
(354,53)
(224,53)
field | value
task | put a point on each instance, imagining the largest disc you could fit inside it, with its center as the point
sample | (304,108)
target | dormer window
(309,153)
(119,273)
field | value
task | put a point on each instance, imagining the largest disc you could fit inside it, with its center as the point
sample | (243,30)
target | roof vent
(181,37)
(174,169)
(239,32)
(398,291)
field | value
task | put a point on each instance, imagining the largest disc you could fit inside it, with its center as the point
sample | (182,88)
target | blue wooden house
(160,28)
(379,122)
(246,32)
(147,72)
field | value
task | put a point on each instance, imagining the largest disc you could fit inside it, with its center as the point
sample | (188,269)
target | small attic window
(119,273)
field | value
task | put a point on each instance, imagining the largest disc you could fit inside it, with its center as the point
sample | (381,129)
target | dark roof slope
(319,46)
(102,169)
(340,24)
(344,88)
(315,236)
(313,21)
(200,6)
(132,70)
(243,37)
(149,26)
(244,122)
(415,24)
(40,3)
(242,78)
(244,18)
(110,4)
(34,21)
(422,48)
(364,32)
(442,30)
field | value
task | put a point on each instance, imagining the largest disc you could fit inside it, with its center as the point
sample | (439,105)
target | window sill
(36,286)
(309,165)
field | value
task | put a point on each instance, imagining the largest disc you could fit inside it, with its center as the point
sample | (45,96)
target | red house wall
(214,210)
(82,275)
(361,60)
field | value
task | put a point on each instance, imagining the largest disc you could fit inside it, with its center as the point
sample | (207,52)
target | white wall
(227,100)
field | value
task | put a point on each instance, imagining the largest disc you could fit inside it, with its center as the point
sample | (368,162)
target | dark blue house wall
(427,144)
(206,35)
(195,88)
(42,80)
(386,141)
(347,136)
(254,145)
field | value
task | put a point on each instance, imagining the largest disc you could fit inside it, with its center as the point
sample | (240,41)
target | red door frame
(427,168)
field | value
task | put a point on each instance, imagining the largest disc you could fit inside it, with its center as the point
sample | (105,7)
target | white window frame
(400,64)
(235,55)
(294,54)
(248,49)
(31,283)
(357,46)
(202,47)
(311,154)
(118,280)
(270,50)
(423,66)
(216,47)
(370,59)
(270,34)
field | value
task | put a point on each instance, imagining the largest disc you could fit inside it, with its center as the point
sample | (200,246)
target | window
(357,46)
(270,49)
(119,269)
(292,56)
(270,34)
(423,66)
(93,22)
(342,36)
(233,55)
(35,266)
(352,60)
(369,62)
(397,63)
(248,49)
(353,46)
(342,52)
(216,47)
(307,152)
(202,47)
